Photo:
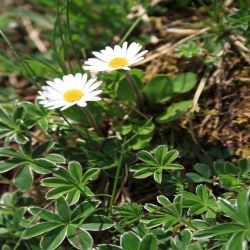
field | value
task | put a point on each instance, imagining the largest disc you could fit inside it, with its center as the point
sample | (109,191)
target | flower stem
(92,121)
(118,170)
(133,84)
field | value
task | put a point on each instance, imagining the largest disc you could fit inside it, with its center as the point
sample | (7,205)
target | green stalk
(139,97)
(30,224)
(29,71)
(92,121)
(118,170)
(62,35)
(131,28)
(70,35)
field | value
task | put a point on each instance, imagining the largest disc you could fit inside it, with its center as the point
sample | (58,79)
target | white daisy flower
(121,57)
(68,91)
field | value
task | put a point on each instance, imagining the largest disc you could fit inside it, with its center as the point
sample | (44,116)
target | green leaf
(130,241)
(40,228)
(63,209)
(5,166)
(43,163)
(143,173)
(230,210)
(108,247)
(75,169)
(4,118)
(175,111)
(45,215)
(158,176)
(19,113)
(10,152)
(243,205)
(21,139)
(24,178)
(84,209)
(90,174)
(160,153)
(203,170)
(97,223)
(58,192)
(164,201)
(73,197)
(53,238)
(147,157)
(124,91)
(195,177)
(184,82)
(56,158)
(40,170)
(42,148)
(18,216)
(54,182)
(244,166)
(172,166)
(237,241)
(149,242)
(170,156)
(159,89)
(79,238)
(224,228)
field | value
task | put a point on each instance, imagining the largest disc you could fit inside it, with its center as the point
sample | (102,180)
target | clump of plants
(78,158)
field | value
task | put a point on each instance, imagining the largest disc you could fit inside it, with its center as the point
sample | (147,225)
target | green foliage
(189,49)
(130,240)
(12,128)
(201,202)
(161,88)
(175,111)
(71,183)
(140,133)
(155,162)
(65,223)
(127,214)
(54,166)
(168,215)
(28,161)
(238,230)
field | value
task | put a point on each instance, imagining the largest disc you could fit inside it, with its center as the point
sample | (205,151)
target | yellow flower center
(118,62)
(73,95)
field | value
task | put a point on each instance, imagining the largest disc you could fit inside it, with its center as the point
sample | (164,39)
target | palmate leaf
(39,229)
(127,213)
(201,202)
(27,161)
(65,222)
(237,231)
(24,178)
(14,125)
(149,242)
(168,215)
(225,228)
(97,223)
(130,240)
(84,209)
(155,162)
(79,238)
(45,214)
(140,133)
(239,212)
(63,209)
(70,183)
(7,165)
(237,241)
(53,238)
